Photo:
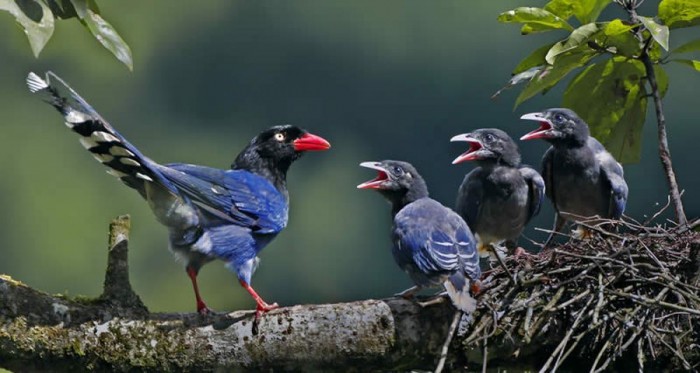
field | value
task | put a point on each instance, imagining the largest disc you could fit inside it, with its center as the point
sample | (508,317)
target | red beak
(311,142)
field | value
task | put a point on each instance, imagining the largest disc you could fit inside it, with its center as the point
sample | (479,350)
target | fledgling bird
(431,242)
(210,213)
(583,180)
(499,197)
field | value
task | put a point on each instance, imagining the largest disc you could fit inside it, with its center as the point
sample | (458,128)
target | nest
(608,302)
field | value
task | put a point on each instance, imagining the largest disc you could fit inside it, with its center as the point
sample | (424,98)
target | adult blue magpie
(500,196)
(210,213)
(583,180)
(431,242)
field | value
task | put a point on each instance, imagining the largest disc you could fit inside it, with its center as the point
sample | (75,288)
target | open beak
(310,142)
(474,146)
(544,132)
(377,182)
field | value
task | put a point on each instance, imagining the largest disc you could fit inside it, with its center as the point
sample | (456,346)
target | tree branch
(664,150)
(551,317)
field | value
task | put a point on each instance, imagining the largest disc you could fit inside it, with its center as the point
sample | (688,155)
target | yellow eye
(279,136)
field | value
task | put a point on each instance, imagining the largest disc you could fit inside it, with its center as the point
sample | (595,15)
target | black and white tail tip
(97,136)
(35,83)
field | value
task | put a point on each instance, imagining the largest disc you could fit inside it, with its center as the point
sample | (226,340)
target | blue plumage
(431,243)
(210,213)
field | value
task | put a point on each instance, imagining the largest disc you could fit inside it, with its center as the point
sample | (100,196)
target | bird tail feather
(458,289)
(105,144)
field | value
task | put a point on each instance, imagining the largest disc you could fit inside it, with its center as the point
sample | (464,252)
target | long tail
(97,136)
(458,288)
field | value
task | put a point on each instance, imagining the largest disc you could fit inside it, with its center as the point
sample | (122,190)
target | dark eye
(489,137)
(558,118)
(396,170)
(279,136)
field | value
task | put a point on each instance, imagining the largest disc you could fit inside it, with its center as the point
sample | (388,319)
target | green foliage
(38,29)
(680,13)
(37,19)
(616,87)
(610,94)
(579,36)
(535,19)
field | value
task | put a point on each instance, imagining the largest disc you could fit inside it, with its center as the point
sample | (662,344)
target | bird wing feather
(235,196)
(614,176)
(420,241)
(536,190)
(469,197)
(547,175)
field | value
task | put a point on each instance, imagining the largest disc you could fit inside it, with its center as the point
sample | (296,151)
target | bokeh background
(378,79)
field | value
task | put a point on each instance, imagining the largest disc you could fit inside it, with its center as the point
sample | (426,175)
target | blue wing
(466,248)
(469,197)
(536,190)
(233,196)
(423,237)
(614,176)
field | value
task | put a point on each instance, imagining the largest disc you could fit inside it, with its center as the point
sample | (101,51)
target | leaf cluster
(609,89)
(37,18)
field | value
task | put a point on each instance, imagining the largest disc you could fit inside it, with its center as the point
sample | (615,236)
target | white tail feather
(461,297)
(35,83)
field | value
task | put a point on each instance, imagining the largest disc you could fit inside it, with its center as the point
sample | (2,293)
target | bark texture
(624,302)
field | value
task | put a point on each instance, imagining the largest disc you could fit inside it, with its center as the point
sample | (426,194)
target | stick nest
(608,302)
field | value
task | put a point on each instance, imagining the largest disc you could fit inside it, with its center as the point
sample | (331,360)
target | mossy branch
(606,302)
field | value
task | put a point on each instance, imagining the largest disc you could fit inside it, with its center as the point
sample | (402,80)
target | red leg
(201,307)
(262,306)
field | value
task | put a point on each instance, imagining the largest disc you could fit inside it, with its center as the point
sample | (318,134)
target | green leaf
(690,46)
(577,37)
(610,97)
(562,8)
(679,13)
(619,35)
(589,10)
(536,17)
(661,79)
(625,141)
(551,75)
(535,58)
(516,79)
(586,11)
(695,64)
(659,32)
(39,32)
(103,31)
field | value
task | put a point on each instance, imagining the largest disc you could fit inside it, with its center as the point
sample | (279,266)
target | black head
(558,126)
(286,142)
(397,181)
(271,152)
(489,146)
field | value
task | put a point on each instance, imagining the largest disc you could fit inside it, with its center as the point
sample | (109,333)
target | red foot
(262,306)
(475,287)
(202,308)
(520,252)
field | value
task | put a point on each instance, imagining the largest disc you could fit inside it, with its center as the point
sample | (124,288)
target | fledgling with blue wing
(583,180)
(430,242)
(500,196)
(210,213)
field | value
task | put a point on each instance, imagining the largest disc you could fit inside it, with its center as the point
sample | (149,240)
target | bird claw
(582,233)
(263,308)
(434,300)
(408,293)
(520,252)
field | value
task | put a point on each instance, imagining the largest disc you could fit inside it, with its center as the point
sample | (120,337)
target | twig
(446,345)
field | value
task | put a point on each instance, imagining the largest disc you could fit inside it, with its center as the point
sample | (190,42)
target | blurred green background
(378,79)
